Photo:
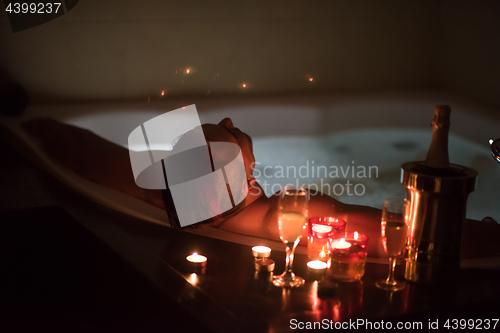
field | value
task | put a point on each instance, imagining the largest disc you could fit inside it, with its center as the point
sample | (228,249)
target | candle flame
(355,235)
(187,71)
(194,253)
(163,92)
(244,85)
(322,254)
(342,240)
(310,79)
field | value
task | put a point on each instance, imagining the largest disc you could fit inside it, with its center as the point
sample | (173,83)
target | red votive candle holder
(348,256)
(321,231)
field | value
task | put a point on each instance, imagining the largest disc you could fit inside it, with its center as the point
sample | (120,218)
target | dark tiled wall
(131,49)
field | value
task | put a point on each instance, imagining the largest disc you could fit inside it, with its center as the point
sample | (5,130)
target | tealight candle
(317,265)
(341,244)
(319,228)
(197,260)
(261,252)
(316,269)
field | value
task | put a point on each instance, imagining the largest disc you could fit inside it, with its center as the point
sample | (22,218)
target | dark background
(119,50)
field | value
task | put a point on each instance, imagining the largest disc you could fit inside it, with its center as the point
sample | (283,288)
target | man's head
(208,182)
(225,131)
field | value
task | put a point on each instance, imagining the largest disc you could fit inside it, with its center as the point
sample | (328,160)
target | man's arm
(261,219)
(90,156)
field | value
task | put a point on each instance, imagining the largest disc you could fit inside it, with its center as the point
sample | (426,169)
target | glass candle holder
(321,231)
(348,257)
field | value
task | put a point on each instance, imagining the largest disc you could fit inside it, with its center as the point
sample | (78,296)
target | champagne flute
(292,217)
(394,227)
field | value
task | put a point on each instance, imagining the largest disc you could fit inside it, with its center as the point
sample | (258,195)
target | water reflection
(262,281)
(350,296)
(285,297)
(193,279)
(346,302)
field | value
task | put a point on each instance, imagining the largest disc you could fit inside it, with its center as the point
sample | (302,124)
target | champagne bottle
(437,162)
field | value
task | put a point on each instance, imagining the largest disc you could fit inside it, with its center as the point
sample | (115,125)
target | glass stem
(392,267)
(289,260)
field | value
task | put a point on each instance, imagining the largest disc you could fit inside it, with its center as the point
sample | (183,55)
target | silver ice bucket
(436,218)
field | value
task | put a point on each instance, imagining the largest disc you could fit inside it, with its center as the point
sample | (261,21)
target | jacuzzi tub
(380,132)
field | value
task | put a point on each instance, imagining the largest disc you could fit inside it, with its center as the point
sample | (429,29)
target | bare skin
(108,164)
